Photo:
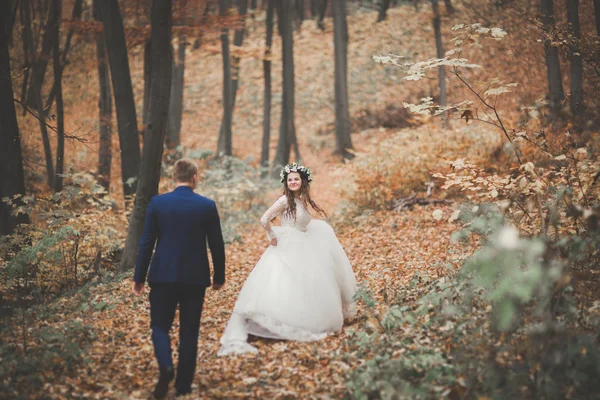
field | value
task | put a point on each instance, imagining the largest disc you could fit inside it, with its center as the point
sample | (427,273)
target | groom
(180,223)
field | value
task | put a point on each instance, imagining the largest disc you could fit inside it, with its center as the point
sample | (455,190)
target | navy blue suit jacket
(181,223)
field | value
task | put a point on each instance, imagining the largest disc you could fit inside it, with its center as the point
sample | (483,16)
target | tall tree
(160,33)
(105,106)
(147,83)
(383,7)
(577,104)
(439,46)
(11,160)
(40,62)
(114,36)
(556,94)
(449,7)
(322,10)
(238,39)
(38,68)
(287,129)
(75,14)
(343,141)
(299,13)
(176,101)
(224,147)
(60,115)
(264,155)
(597,16)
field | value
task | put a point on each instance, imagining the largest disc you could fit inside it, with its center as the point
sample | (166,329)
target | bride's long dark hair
(304,195)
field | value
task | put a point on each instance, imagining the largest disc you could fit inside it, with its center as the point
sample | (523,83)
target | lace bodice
(301,221)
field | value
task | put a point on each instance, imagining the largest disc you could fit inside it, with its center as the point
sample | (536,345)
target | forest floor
(384,247)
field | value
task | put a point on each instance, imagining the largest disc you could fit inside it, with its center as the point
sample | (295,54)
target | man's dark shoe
(162,386)
(181,393)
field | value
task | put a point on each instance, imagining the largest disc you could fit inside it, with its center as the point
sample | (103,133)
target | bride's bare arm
(270,214)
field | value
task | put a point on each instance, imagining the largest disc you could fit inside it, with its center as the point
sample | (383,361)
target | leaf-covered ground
(120,360)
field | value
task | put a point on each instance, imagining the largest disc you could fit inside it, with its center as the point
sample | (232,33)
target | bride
(302,287)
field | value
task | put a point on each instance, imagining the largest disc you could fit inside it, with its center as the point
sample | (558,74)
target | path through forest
(383,247)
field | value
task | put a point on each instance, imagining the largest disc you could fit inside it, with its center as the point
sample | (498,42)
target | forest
(454,145)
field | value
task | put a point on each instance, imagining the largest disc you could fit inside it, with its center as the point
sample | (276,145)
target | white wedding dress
(301,289)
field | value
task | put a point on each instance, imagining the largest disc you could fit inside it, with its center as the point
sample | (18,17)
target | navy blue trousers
(164,298)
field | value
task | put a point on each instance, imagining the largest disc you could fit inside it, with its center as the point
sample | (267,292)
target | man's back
(181,223)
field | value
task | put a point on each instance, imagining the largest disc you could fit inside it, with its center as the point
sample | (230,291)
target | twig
(52,128)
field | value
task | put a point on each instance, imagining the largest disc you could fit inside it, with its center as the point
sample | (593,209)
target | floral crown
(295,167)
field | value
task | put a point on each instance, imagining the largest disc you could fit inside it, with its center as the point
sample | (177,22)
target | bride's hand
(273,242)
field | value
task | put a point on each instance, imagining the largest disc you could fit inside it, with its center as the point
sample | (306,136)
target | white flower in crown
(295,167)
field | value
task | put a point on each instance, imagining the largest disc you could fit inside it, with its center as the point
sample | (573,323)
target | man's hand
(217,286)
(138,288)
(274,242)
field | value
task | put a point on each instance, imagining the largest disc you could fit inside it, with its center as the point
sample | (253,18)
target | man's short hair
(184,170)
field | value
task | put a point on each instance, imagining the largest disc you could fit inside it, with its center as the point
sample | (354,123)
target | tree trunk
(287,134)
(449,7)
(299,13)
(343,141)
(597,16)
(383,7)
(41,61)
(38,72)
(27,38)
(439,46)
(105,105)
(264,155)
(224,146)
(238,39)
(176,101)
(75,14)
(160,25)
(147,83)
(555,88)
(577,104)
(314,9)
(322,11)
(11,161)
(114,36)
(60,115)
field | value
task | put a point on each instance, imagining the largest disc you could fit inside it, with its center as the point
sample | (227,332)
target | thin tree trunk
(287,135)
(314,9)
(577,104)
(597,16)
(322,11)
(147,83)
(555,88)
(114,36)
(264,155)
(75,14)
(299,13)
(160,22)
(449,7)
(105,106)
(224,146)
(11,161)
(383,7)
(439,46)
(27,38)
(343,141)
(238,39)
(176,101)
(41,61)
(60,115)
